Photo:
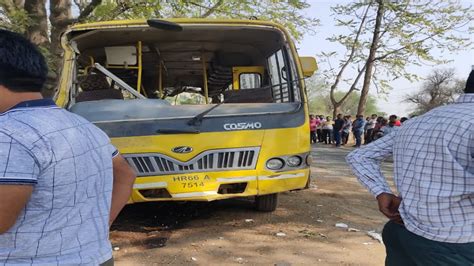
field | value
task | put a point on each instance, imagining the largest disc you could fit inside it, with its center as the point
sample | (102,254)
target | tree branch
(89,9)
(212,9)
(410,44)
(349,59)
(353,86)
(393,19)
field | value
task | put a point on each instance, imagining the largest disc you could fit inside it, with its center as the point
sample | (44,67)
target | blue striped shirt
(68,162)
(433,171)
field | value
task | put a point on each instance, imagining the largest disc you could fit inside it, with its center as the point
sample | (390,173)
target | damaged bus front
(201,109)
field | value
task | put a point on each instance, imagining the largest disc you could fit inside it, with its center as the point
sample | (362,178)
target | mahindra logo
(182,149)
(243,126)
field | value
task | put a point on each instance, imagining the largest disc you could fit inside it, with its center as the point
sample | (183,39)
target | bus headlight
(294,161)
(309,160)
(275,164)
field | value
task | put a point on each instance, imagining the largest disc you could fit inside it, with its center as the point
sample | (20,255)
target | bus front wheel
(266,203)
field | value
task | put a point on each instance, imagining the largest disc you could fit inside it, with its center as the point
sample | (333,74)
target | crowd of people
(337,131)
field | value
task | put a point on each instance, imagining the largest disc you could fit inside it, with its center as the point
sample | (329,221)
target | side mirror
(309,65)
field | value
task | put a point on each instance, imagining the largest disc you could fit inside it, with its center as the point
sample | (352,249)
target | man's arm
(19,171)
(365,163)
(13,199)
(124,177)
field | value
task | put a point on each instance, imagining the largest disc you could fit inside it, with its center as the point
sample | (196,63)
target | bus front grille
(152,164)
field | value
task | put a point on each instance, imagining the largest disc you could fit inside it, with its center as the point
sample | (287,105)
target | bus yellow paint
(204,186)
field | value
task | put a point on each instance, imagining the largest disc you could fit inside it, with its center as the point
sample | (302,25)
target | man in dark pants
(358,129)
(432,218)
(370,128)
(406,248)
(319,129)
(337,129)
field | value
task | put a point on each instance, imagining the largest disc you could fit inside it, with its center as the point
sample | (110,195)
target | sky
(392,103)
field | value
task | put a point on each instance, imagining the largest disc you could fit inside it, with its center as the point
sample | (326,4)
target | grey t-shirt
(68,161)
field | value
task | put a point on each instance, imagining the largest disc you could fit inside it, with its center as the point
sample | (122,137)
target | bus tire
(266,203)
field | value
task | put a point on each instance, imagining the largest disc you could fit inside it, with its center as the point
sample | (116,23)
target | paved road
(329,161)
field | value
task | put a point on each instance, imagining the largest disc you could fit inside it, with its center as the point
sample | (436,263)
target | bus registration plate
(191,181)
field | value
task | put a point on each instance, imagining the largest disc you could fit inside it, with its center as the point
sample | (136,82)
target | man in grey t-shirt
(62,183)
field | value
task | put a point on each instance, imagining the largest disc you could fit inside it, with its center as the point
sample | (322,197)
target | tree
(349,107)
(441,87)
(320,103)
(30,16)
(287,13)
(382,38)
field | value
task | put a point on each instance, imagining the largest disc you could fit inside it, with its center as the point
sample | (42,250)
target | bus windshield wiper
(197,120)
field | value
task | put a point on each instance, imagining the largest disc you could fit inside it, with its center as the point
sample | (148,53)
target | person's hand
(388,205)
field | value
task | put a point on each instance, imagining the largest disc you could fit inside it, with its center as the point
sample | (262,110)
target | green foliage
(320,103)
(411,31)
(350,105)
(287,13)
(13,18)
(317,95)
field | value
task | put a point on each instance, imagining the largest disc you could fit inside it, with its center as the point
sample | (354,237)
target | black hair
(470,83)
(22,66)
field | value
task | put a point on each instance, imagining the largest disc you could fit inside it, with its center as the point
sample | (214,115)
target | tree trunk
(370,60)
(336,109)
(37,31)
(19,3)
(60,19)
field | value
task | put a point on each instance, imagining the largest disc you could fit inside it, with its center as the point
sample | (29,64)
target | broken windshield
(201,64)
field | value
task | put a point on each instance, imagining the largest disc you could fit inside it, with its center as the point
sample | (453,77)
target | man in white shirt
(370,129)
(432,217)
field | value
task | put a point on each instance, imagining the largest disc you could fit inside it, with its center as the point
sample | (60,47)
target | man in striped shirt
(62,183)
(432,217)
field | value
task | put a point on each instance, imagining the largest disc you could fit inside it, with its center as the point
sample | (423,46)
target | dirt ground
(231,232)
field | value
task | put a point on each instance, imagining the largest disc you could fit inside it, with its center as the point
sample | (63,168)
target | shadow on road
(162,216)
(157,220)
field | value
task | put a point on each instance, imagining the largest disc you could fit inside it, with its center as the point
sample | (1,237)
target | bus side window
(277,72)
(295,76)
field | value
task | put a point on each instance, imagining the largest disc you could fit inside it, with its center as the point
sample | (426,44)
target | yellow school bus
(202,109)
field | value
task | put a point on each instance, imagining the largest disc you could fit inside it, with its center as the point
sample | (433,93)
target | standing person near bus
(358,129)
(370,129)
(337,129)
(346,129)
(328,130)
(380,128)
(393,120)
(62,183)
(313,124)
(388,127)
(431,220)
(319,128)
